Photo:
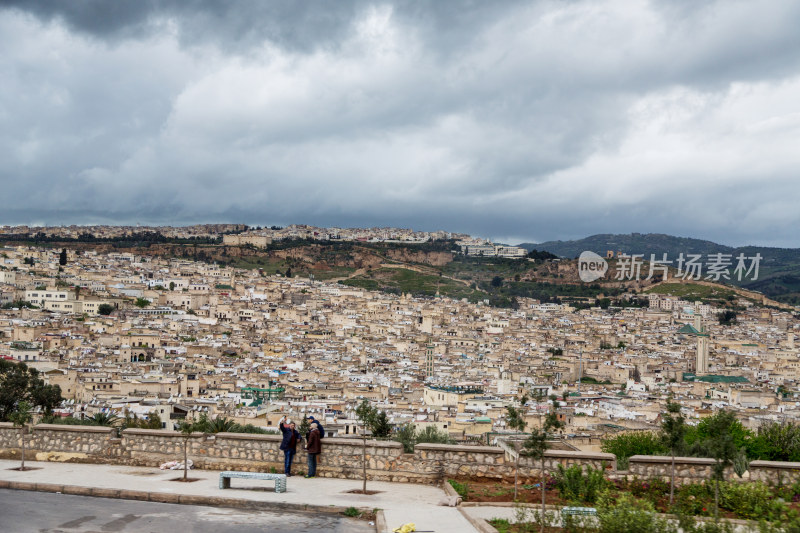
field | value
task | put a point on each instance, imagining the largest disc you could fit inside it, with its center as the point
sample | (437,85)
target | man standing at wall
(312,420)
(288,444)
(313,447)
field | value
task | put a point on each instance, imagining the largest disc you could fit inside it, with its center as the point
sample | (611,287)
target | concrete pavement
(400,502)
(23,512)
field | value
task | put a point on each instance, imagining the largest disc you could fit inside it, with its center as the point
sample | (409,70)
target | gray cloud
(513,120)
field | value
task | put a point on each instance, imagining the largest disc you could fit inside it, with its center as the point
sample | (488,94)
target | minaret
(701,366)
(429,361)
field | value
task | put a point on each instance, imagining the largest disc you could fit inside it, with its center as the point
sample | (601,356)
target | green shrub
(69,421)
(406,435)
(776,442)
(352,512)
(751,501)
(502,525)
(652,489)
(575,485)
(432,435)
(627,514)
(625,445)
(250,428)
(462,489)
(695,499)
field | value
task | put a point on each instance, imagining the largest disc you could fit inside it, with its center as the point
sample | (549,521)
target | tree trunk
(185,459)
(516,475)
(364,463)
(544,507)
(672,480)
(716,500)
(22,434)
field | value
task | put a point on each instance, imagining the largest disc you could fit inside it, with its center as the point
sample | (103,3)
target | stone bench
(225,479)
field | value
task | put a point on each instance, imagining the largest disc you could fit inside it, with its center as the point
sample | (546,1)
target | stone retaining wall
(340,458)
(687,469)
(774,472)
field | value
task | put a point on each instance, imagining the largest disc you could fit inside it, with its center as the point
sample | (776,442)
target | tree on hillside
(726,318)
(515,420)
(105,309)
(305,426)
(142,303)
(380,427)
(187,428)
(18,383)
(536,446)
(366,415)
(62,258)
(720,445)
(673,433)
(20,417)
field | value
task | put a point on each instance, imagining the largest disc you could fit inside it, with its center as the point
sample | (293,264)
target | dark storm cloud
(302,25)
(535,120)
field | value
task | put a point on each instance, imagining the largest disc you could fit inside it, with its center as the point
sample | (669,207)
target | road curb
(166,497)
(481,525)
(380,522)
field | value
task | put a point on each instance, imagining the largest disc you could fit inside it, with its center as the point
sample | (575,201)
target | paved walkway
(22,513)
(401,502)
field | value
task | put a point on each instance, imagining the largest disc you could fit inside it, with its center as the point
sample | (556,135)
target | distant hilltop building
(261,238)
(243,239)
(479,248)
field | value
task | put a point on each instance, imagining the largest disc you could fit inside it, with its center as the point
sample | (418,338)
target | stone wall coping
(74,429)
(159,433)
(666,459)
(782,465)
(354,441)
(593,456)
(6,425)
(249,436)
(459,448)
(327,440)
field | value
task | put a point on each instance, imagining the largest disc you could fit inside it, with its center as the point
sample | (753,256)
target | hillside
(437,268)
(779,271)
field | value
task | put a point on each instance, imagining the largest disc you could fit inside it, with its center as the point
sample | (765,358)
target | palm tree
(221,425)
(105,419)
(20,417)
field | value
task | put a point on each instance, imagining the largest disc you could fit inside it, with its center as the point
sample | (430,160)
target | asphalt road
(40,512)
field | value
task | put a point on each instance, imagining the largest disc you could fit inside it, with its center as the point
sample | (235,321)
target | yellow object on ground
(406,528)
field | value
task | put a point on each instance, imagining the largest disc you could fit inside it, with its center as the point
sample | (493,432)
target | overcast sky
(520,121)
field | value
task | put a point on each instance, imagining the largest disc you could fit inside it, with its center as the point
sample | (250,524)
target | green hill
(779,270)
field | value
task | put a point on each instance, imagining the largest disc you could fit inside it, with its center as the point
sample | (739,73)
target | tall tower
(701,364)
(429,361)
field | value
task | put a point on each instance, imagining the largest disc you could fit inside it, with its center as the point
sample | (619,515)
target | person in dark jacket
(289,443)
(312,420)
(313,447)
